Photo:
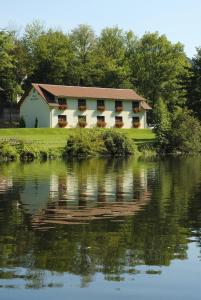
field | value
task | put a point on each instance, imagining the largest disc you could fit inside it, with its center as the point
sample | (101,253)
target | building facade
(70,107)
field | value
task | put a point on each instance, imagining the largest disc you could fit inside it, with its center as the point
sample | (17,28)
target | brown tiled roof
(88,92)
(145,105)
(48,91)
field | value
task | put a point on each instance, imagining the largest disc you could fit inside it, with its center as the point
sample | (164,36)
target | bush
(22,123)
(117,143)
(83,143)
(8,152)
(185,133)
(99,142)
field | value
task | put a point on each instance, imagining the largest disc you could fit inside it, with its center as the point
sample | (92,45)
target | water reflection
(87,217)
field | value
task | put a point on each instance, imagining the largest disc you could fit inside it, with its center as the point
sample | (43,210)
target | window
(119,122)
(136,122)
(82,104)
(62,120)
(62,117)
(101,118)
(82,121)
(136,106)
(100,102)
(118,119)
(100,105)
(62,101)
(82,118)
(118,106)
(101,121)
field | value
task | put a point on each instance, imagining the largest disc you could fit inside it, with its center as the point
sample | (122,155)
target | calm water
(112,229)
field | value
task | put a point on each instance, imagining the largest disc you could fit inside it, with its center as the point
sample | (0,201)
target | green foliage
(8,152)
(117,144)
(181,133)
(157,66)
(22,123)
(99,142)
(36,123)
(193,85)
(185,133)
(162,125)
(83,143)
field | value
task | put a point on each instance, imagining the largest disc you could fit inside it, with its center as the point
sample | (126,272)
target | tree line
(155,67)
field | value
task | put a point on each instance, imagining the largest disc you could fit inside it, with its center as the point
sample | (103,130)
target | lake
(101,229)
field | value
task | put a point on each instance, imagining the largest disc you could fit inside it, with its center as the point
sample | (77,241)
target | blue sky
(180,20)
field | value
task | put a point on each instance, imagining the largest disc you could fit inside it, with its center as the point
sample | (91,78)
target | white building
(53,106)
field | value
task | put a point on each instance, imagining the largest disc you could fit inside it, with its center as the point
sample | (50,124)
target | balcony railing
(119,124)
(119,108)
(136,124)
(63,106)
(82,107)
(82,123)
(101,107)
(62,123)
(101,124)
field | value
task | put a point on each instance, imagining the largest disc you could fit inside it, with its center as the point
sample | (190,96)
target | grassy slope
(54,137)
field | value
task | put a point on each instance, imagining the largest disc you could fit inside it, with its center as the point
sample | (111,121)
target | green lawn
(55,137)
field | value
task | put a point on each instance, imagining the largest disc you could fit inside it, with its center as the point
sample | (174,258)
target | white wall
(35,107)
(91,114)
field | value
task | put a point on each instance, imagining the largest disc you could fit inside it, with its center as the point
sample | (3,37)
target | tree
(52,55)
(162,126)
(193,85)
(157,66)
(8,70)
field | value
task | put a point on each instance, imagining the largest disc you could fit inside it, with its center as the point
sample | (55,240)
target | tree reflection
(149,211)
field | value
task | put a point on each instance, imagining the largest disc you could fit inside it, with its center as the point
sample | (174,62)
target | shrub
(185,133)
(99,142)
(22,123)
(36,123)
(117,143)
(8,152)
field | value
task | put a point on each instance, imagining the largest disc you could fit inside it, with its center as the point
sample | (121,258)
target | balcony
(136,124)
(82,107)
(119,124)
(62,123)
(119,109)
(63,106)
(82,123)
(101,107)
(101,124)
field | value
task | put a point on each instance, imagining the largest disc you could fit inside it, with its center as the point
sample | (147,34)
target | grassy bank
(45,143)
(56,137)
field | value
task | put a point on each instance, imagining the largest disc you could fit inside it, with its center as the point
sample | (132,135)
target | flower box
(119,124)
(82,107)
(136,124)
(119,108)
(63,106)
(137,109)
(101,107)
(62,123)
(101,124)
(82,124)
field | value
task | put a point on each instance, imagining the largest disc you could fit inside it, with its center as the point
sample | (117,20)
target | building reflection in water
(79,197)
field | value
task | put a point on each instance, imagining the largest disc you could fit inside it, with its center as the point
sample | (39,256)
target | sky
(180,20)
